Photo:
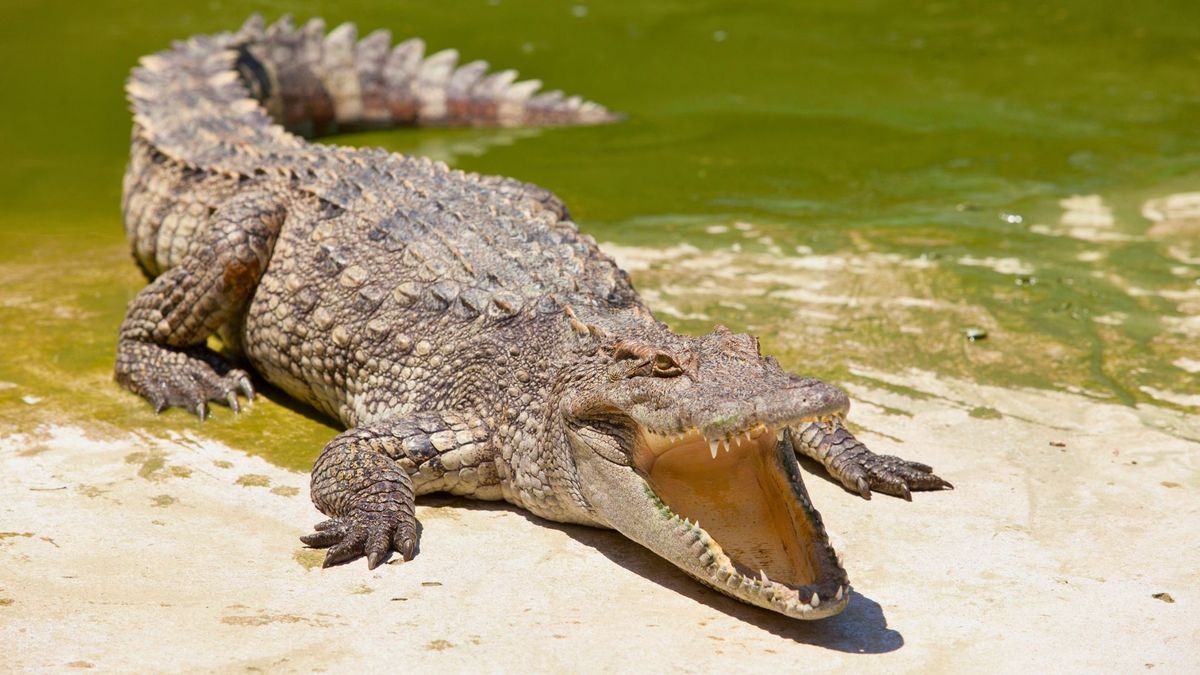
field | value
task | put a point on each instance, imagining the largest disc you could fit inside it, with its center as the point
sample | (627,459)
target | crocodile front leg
(366,480)
(161,354)
(859,469)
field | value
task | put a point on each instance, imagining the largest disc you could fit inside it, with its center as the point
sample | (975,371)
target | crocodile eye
(665,366)
(632,359)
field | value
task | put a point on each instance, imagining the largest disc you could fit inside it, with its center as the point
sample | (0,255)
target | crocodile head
(683,445)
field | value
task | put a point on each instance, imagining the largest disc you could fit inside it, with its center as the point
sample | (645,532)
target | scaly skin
(467,335)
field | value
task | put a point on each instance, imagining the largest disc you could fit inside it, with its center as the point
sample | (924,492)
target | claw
(405,541)
(375,559)
(232,399)
(864,488)
(202,410)
(246,388)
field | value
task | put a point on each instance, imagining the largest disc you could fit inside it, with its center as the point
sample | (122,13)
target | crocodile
(459,326)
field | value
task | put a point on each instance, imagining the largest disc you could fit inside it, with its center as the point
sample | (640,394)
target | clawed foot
(183,379)
(859,469)
(890,475)
(371,534)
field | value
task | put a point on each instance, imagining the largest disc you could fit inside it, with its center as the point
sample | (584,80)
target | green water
(920,144)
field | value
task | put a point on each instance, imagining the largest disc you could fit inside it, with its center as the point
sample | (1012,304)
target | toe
(377,547)
(348,549)
(405,541)
(322,539)
(327,534)
(898,477)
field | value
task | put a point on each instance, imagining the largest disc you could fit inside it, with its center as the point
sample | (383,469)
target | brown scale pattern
(394,282)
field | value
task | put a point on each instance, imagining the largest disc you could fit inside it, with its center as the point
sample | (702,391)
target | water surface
(860,183)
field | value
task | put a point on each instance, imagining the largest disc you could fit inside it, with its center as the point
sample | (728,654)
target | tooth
(763,575)
(816,599)
(728,443)
(712,446)
(838,595)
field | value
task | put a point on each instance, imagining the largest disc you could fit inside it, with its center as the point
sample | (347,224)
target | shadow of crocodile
(860,629)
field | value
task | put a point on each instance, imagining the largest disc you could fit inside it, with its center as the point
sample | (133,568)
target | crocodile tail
(316,83)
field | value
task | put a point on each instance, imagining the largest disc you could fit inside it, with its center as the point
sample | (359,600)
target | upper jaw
(721,438)
(806,400)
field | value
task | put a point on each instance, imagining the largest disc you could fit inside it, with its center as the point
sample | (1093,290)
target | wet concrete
(1068,543)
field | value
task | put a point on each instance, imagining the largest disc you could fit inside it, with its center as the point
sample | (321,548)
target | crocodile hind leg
(366,480)
(161,354)
(859,469)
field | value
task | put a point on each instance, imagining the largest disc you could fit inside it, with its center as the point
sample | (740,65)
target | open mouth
(758,536)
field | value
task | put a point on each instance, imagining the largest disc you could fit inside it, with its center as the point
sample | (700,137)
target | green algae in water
(901,171)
